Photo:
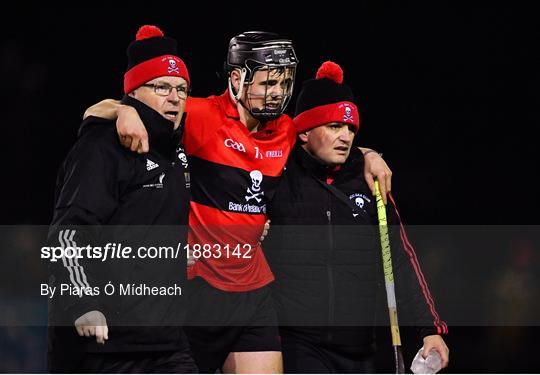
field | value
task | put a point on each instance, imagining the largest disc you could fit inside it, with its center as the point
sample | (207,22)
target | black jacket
(108,194)
(327,258)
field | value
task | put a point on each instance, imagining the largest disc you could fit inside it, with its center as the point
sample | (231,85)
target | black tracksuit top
(327,259)
(108,194)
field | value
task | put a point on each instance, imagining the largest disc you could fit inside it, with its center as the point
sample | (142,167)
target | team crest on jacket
(182,156)
(361,200)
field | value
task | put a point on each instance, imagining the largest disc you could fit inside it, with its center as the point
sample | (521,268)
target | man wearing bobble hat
(327,278)
(103,194)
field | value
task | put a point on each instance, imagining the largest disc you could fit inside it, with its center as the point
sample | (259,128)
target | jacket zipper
(330,271)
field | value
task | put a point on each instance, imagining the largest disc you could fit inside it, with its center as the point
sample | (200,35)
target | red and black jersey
(234,175)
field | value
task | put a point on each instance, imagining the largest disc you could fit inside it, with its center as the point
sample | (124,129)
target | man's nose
(346,135)
(173,97)
(274,91)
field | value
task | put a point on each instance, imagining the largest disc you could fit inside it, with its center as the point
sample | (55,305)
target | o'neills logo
(274,154)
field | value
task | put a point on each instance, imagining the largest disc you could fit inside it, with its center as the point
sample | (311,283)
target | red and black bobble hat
(152,55)
(325,99)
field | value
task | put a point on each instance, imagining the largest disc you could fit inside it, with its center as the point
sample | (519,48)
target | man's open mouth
(341,148)
(272,106)
(171,115)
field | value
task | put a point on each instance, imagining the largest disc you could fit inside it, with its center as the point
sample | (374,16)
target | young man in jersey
(238,143)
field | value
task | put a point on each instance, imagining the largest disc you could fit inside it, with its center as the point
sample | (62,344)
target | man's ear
(304,136)
(235,79)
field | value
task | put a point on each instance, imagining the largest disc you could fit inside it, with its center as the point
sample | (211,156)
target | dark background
(448,93)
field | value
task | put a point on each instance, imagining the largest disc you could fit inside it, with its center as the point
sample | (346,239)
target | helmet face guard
(269,101)
(253,52)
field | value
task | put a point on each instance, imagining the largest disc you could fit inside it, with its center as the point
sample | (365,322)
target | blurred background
(449,94)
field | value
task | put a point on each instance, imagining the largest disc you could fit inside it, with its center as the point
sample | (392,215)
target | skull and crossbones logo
(256,179)
(173,67)
(183,159)
(359,202)
(348,115)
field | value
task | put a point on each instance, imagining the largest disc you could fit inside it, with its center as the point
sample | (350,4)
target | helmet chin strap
(253,112)
(236,97)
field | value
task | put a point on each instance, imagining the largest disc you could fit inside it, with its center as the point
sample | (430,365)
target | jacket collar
(162,137)
(353,165)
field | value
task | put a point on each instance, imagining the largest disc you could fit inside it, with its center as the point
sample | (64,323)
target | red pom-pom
(148,31)
(330,70)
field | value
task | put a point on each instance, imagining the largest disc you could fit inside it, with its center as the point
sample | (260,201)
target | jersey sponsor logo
(360,200)
(151,165)
(234,145)
(247,208)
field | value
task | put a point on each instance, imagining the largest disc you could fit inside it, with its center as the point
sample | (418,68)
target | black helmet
(260,50)
(253,49)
